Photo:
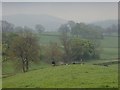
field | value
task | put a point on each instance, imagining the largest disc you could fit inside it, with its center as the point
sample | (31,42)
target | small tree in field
(25,47)
(83,49)
(65,41)
(53,52)
(39,28)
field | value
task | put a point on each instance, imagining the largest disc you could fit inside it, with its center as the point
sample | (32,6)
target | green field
(43,75)
(45,39)
(109,50)
(109,53)
(109,44)
(67,76)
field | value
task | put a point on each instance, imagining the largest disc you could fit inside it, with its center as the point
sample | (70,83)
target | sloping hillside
(50,23)
(105,23)
(72,76)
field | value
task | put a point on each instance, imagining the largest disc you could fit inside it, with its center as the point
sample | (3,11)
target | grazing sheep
(73,63)
(106,65)
(66,64)
(61,63)
(53,63)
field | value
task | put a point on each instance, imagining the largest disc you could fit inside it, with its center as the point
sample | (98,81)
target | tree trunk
(23,65)
(27,67)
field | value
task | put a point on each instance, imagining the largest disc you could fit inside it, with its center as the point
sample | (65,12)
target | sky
(76,11)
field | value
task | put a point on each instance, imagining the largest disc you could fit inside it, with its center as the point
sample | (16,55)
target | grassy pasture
(109,42)
(109,50)
(72,76)
(109,53)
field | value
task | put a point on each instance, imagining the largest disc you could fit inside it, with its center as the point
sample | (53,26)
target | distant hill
(51,23)
(106,23)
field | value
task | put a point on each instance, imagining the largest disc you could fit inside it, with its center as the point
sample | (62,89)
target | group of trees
(76,48)
(19,43)
(22,44)
(82,30)
(83,49)
(7,35)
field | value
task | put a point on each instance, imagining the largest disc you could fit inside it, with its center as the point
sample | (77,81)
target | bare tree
(53,52)
(65,41)
(25,47)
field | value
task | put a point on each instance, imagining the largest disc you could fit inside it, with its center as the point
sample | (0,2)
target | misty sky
(79,12)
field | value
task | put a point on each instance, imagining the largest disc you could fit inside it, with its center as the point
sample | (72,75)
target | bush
(83,49)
